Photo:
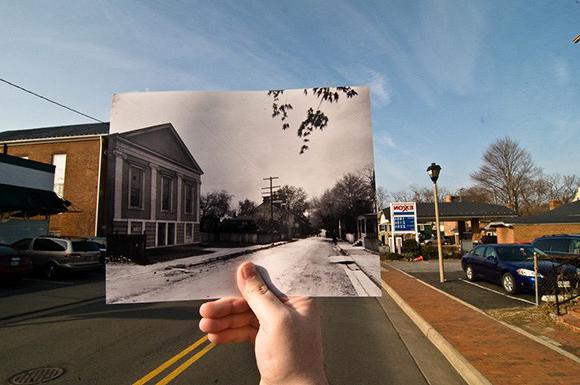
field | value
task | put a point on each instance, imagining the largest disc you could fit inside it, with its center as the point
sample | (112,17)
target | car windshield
(517,253)
(85,246)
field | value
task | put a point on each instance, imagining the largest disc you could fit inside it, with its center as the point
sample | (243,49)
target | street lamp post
(433,172)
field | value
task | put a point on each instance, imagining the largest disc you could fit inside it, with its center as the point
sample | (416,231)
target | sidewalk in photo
(366,260)
(481,348)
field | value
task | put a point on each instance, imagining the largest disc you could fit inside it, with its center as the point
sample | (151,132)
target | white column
(197,199)
(118,207)
(179,187)
(153,207)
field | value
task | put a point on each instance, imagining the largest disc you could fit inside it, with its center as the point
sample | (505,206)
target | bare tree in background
(294,198)
(506,173)
(562,187)
(351,196)
(473,194)
(382,197)
(213,207)
(402,196)
(246,207)
(418,194)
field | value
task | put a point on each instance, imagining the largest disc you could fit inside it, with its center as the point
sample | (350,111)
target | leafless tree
(382,197)
(506,173)
(294,198)
(473,194)
(561,187)
(213,207)
(418,194)
(351,196)
(246,207)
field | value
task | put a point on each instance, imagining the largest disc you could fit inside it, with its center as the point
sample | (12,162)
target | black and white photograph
(199,182)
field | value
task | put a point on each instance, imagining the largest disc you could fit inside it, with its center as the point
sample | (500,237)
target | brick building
(26,190)
(460,221)
(77,153)
(564,219)
(153,187)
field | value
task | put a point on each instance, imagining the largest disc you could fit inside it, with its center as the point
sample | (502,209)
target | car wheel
(50,271)
(469,273)
(509,283)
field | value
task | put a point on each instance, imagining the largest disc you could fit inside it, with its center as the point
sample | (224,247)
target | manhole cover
(36,376)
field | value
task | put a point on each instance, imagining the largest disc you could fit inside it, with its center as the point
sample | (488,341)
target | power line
(50,100)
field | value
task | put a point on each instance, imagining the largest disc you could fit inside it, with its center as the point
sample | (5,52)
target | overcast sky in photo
(237,143)
(446,78)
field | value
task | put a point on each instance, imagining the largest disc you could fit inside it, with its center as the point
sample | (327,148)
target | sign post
(404,219)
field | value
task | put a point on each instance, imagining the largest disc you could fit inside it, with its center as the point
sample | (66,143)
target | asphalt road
(481,294)
(367,340)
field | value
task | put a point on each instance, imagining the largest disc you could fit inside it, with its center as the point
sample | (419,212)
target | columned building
(154,186)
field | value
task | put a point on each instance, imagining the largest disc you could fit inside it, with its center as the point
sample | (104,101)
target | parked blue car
(512,266)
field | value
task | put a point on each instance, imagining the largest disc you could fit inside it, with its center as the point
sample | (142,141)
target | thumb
(256,292)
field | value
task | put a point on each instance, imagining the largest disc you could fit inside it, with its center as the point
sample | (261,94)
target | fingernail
(248,271)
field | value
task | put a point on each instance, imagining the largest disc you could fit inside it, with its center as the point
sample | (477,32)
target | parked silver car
(51,254)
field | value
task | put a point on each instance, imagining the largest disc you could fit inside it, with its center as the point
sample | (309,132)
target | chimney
(553,203)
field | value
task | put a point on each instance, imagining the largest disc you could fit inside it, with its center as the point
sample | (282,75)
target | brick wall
(521,233)
(505,235)
(81,180)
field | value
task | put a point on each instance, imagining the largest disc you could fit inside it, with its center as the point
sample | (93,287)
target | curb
(467,371)
(225,257)
(509,326)
(373,279)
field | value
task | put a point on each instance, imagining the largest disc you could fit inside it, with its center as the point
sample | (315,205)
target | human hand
(285,331)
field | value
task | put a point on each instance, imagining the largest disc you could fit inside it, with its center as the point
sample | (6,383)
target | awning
(27,202)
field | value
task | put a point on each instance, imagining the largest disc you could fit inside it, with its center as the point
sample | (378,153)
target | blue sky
(447,78)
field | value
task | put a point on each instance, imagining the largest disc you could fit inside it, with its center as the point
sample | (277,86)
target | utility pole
(271,197)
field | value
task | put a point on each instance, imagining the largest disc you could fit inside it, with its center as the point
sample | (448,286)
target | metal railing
(558,280)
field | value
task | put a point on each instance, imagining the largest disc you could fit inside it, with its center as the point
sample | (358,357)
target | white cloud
(562,71)
(378,83)
(380,88)
(387,140)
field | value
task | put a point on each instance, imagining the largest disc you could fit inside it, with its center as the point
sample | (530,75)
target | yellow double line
(177,371)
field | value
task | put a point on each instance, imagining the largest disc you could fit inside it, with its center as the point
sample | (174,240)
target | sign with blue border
(404,217)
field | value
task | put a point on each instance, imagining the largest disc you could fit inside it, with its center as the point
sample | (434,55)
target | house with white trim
(153,186)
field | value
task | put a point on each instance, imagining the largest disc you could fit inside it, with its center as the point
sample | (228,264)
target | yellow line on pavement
(186,364)
(170,362)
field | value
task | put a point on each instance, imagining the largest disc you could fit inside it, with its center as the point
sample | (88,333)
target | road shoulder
(468,338)
(433,365)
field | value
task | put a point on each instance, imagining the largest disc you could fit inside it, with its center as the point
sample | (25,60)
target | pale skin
(285,331)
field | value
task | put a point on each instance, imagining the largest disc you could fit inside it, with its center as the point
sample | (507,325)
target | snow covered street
(303,267)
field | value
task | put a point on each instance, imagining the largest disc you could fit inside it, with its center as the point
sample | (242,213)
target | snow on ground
(296,268)
(127,280)
(367,261)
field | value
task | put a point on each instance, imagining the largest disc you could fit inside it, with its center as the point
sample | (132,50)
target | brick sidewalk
(499,353)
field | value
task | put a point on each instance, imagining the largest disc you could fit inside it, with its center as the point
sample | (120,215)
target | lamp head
(433,172)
